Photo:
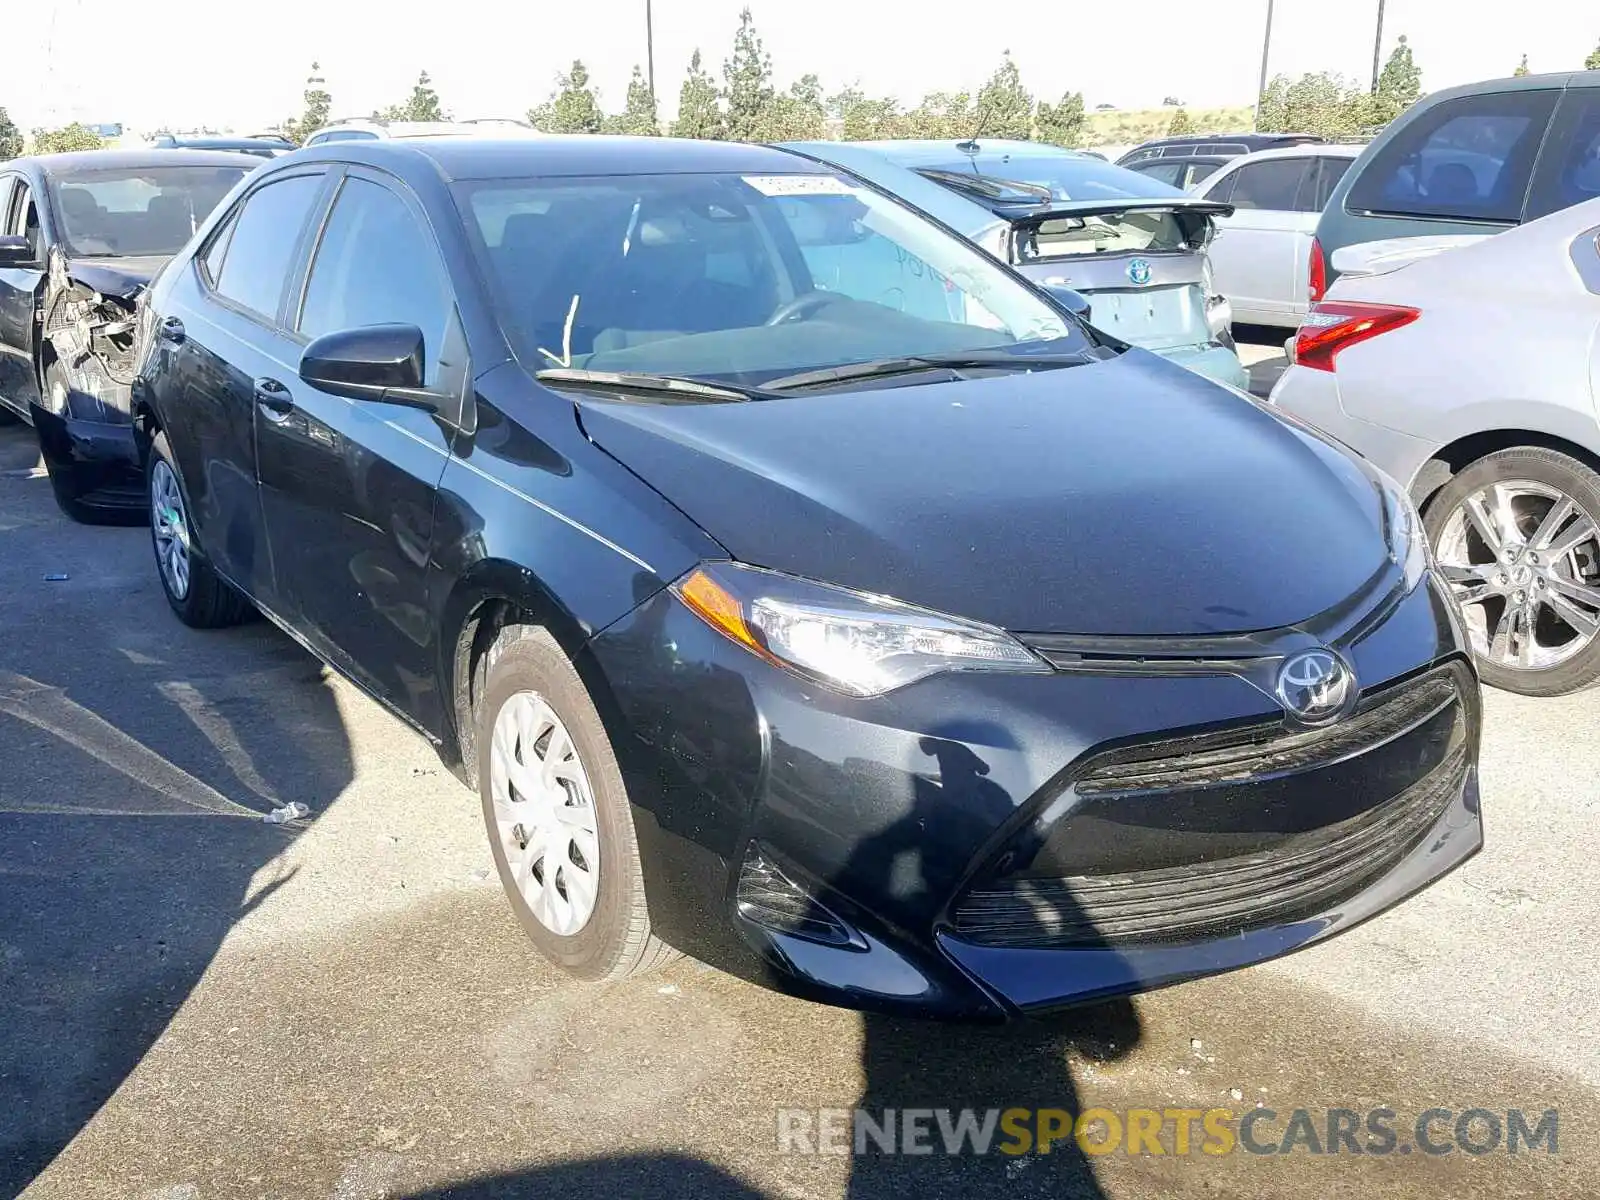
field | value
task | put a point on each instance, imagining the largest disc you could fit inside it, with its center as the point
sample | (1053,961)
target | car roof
(1246,139)
(74,161)
(485,157)
(1309,150)
(928,152)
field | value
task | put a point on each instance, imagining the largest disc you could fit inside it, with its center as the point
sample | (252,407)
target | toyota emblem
(1316,686)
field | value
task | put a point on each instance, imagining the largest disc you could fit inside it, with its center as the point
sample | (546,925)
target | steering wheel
(800,306)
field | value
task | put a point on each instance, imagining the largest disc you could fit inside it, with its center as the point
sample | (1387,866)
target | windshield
(140,211)
(741,278)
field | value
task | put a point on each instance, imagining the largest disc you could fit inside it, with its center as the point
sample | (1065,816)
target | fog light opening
(768,897)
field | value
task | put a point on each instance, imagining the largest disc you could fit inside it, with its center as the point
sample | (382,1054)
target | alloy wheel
(1523,560)
(544,813)
(170,525)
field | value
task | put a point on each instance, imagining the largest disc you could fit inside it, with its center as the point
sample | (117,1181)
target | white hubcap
(544,814)
(171,529)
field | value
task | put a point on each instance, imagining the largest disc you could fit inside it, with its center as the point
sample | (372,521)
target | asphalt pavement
(195,1003)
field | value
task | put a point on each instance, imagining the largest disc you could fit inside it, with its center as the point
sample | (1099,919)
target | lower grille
(1299,875)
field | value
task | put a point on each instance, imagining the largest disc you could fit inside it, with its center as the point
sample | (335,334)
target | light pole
(1266,46)
(650,48)
(1377,49)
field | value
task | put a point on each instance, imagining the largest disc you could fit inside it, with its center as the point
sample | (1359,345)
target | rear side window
(1202,171)
(1569,168)
(1466,159)
(1166,172)
(260,250)
(1277,184)
(1330,173)
(376,266)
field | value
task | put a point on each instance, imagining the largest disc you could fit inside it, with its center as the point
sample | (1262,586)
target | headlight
(1408,543)
(858,644)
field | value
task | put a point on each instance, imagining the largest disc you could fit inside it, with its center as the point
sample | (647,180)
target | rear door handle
(273,399)
(171,330)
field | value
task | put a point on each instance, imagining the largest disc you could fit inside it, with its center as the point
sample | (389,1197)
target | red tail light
(1336,325)
(1318,272)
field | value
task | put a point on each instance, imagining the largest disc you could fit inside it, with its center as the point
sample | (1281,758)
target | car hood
(116,276)
(1123,497)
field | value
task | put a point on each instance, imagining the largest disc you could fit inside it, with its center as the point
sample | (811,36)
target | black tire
(67,491)
(1574,479)
(209,601)
(616,942)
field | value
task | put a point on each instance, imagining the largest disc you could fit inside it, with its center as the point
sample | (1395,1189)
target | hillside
(1129,127)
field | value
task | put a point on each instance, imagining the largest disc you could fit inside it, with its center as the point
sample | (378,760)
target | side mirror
(1074,301)
(15,249)
(374,362)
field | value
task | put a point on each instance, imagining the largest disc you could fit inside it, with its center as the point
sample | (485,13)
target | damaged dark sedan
(81,236)
(799,586)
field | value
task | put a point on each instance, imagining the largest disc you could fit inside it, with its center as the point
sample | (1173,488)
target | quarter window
(260,250)
(1468,159)
(376,265)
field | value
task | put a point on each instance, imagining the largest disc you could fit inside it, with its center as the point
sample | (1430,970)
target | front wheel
(201,598)
(1517,538)
(559,821)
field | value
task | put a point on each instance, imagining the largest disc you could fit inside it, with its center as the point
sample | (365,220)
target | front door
(348,486)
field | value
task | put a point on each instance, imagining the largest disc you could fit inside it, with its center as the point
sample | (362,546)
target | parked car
(941,657)
(1468,372)
(1261,256)
(1190,159)
(81,235)
(1134,248)
(261,145)
(1475,159)
(364,130)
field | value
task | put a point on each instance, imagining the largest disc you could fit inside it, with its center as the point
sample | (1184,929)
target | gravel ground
(196,1004)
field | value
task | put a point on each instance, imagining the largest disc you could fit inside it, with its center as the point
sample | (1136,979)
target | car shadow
(137,759)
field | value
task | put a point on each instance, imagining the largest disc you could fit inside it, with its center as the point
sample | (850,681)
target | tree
(861,118)
(572,108)
(1319,103)
(1180,123)
(699,115)
(1005,107)
(943,115)
(638,118)
(1399,87)
(1522,68)
(318,103)
(1062,124)
(1592,63)
(798,115)
(422,105)
(10,137)
(747,82)
(59,141)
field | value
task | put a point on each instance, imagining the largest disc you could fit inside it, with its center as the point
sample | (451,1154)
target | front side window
(376,266)
(744,277)
(1467,159)
(1276,184)
(262,242)
(144,211)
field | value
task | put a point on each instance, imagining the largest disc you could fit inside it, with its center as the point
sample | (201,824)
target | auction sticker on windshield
(799,185)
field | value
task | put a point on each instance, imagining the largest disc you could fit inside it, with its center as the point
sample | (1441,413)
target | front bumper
(90,449)
(874,824)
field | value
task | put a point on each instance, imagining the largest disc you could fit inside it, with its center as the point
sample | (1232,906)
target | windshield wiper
(644,381)
(883,367)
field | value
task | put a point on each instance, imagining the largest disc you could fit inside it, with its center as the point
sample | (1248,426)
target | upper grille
(1176,888)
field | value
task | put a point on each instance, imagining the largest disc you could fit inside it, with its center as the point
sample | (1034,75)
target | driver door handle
(274,400)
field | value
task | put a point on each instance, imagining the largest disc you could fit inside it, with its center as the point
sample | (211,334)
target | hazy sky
(186,63)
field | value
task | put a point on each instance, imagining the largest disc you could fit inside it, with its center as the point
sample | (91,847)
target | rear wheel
(1517,536)
(559,822)
(200,597)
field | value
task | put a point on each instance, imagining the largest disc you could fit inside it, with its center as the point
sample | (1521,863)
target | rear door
(221,330)
(348,486)
(21,287)
(1259,254)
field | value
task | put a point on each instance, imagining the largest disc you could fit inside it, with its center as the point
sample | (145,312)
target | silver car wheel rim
(1523,560)
(171,528)
(544,814)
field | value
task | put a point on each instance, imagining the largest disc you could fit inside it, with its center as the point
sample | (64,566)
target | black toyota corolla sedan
(799,587)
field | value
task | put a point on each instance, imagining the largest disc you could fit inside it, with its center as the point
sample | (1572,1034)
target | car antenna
(970,146)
